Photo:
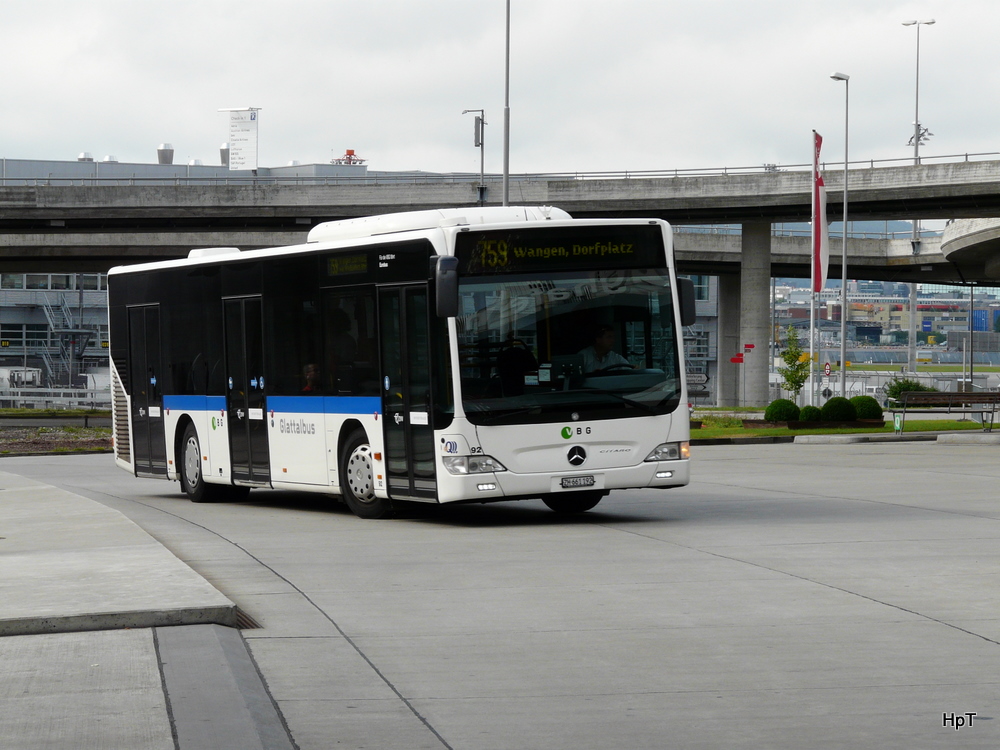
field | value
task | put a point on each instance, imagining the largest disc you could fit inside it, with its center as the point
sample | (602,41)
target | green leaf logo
(567,432)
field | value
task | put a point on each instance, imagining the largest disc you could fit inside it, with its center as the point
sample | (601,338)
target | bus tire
(192,479)
(357,479)
(576,502)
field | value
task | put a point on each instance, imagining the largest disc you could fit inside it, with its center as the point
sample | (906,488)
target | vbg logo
(568,432)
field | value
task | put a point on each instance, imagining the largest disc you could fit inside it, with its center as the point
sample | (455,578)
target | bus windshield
(596,344)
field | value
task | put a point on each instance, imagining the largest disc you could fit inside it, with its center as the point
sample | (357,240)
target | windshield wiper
(624,399)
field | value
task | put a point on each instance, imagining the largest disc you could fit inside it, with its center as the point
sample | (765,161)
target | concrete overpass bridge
(115,221)
(92,225)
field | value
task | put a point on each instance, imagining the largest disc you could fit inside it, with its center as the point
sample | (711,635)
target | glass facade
(55,281)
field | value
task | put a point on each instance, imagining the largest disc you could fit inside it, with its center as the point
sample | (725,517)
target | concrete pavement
(780,601)
(109,641)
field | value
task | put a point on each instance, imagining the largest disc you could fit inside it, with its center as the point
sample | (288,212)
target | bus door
(406,391)
(245,391)
(145,381)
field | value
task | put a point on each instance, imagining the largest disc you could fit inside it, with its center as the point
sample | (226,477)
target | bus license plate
(587,481)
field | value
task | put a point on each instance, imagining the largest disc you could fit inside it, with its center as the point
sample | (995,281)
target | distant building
(56,324)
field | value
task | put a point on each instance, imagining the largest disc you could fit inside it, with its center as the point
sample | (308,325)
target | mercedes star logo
(577,455)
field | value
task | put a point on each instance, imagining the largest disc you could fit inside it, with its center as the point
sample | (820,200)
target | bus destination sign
(559,248)
(340,265)
(385,263)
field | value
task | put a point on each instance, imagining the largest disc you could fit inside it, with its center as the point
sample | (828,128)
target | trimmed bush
(898,385)
(810,414)
(781,410)
(838,409)
(867,407)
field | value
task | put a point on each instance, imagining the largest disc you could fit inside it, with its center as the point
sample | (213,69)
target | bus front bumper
(491,487)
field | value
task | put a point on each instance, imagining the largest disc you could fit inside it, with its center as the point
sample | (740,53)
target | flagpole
(812,342)
(820,251)
(812,275)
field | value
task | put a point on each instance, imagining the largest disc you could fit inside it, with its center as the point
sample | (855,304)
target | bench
(984,403)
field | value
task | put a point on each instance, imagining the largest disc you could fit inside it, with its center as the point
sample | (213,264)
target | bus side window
(293,323)
(350,342)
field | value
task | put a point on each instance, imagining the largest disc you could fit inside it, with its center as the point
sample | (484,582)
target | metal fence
(54,398)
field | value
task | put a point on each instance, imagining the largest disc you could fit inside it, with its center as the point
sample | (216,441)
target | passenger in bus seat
(312,377)
(600,355)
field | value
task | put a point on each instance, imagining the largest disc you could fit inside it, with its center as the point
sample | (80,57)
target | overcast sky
(595,85)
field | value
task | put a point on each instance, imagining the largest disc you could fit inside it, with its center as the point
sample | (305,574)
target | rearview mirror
(446,286)
(685,293)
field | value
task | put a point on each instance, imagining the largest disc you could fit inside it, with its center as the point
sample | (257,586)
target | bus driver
(600,356)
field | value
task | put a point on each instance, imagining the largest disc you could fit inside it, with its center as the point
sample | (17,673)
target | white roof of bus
(367,226)
(370,227)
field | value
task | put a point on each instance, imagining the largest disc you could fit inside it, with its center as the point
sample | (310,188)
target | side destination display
(401,261)
(559,248)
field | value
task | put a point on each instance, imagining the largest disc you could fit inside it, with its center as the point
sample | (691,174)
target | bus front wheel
(357,479)
(192,479)
(576,502)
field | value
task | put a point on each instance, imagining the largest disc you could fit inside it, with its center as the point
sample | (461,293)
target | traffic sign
(697,378)
(737,360)
(826,368)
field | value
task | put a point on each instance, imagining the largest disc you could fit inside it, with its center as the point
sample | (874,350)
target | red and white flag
(820,233)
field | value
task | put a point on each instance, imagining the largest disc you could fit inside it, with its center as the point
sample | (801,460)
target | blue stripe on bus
(284,404)
(195,403)
(325,404)
(296,404)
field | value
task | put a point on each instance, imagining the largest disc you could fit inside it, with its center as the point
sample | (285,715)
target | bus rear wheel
(192,480)
(576,502)
(357,479)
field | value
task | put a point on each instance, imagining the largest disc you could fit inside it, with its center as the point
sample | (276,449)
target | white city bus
(437,356)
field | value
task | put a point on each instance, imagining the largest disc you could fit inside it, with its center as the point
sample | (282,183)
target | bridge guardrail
(777,230)
(406,178)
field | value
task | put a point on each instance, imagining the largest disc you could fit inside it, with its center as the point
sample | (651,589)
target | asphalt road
(820,596)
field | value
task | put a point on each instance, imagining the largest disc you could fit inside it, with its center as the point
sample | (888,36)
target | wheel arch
(346,430)
(178,442)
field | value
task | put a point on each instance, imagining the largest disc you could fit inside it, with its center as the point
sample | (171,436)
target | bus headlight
(670,452)
(472,464)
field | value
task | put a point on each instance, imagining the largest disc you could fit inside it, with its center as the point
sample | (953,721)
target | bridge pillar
(728,375)
(755,311)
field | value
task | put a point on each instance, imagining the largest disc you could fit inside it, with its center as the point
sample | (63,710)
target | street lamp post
(843,257)
(918,135)
(480,140)
(506,113)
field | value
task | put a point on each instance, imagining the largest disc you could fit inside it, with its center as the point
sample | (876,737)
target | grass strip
(708,430)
